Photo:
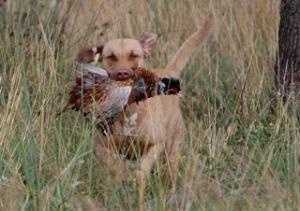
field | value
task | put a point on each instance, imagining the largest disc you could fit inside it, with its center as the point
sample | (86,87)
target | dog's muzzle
(121,74)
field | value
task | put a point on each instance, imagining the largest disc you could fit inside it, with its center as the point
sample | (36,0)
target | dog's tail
(178,62)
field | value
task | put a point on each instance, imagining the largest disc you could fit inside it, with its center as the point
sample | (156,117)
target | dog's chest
(130,125)
(131,121)
(150,119)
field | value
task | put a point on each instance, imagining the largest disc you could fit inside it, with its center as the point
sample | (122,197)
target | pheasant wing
(114,103)
(98,96)
(90,83)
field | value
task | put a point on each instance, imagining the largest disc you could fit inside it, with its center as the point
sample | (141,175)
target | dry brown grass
(237,155)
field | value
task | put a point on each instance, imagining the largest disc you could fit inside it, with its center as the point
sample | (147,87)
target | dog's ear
(148,41)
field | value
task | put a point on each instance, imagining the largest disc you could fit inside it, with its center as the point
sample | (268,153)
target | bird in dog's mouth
(104,94)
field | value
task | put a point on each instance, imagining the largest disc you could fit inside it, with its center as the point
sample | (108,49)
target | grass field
(237,155)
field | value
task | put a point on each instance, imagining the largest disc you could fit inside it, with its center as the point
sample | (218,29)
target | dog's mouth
(146,83)
(166,85)
(121,74)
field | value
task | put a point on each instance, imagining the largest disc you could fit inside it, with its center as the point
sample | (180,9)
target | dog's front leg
(147,163)
(148,160)
(118,167)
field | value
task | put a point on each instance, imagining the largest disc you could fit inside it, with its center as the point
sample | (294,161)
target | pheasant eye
(112,57)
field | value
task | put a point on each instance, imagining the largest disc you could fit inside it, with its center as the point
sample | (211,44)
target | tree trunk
(287,67)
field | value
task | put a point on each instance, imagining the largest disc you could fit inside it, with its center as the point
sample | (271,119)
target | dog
(156,125)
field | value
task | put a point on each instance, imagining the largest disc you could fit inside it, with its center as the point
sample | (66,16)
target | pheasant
(103,95)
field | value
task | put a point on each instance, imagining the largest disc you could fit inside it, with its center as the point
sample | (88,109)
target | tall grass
(237,155)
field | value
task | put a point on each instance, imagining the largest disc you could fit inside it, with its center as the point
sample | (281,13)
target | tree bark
(287,67)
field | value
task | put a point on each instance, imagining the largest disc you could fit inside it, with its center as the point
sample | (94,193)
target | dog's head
(121,55)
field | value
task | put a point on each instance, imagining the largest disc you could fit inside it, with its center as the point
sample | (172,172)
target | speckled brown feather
(81,96)
(149,77)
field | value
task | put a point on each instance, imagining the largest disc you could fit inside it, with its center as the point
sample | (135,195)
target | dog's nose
(121,74)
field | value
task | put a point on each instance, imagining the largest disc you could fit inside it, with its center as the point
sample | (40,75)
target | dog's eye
(112,57)
(133,56)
